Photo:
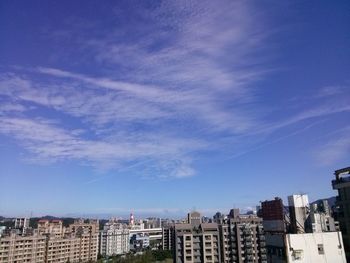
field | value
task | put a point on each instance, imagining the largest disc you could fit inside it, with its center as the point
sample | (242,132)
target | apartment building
(51,242)
(114,239)
(17,248)
(54,227)
(242,238)
(168,233)
(196,241)
(87,234)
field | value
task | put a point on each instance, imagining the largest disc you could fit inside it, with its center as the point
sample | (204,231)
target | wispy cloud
(51,143)
(334,149)
(174,81)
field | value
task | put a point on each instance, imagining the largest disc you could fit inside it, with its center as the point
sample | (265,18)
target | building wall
(168,237)
(342,184)
(315,247)
(114,242)
(298,210)
(88,235)
(198,243)
(242,240)
(15,248)
(79,245)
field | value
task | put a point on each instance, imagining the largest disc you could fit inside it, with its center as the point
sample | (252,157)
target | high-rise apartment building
(242,238)
(342,184)
(196,242)
(51,242)
(168,237)
(17,248)
(114,239)
(88,234)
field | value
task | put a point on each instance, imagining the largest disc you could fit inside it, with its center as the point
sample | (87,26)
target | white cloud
(157,97)
(51,143)
(335,149)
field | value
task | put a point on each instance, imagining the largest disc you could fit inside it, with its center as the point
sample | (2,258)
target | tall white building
(114,239)
(299,210)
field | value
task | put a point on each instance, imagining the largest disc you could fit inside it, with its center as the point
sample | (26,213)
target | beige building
(86,234)
(53,243)
(16,248)
(54,227)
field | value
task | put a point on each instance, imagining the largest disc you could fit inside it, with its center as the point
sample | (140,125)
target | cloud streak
(175,81)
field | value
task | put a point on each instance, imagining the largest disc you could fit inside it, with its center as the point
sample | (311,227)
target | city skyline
(159,107)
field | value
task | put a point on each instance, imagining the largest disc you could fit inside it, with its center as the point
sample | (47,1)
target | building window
(297,254)
(320,249)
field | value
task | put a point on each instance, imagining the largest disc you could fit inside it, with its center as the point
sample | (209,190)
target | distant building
(218,217)
(2,230)
(342,184)
(194,218)
(131,220)
(320,221)
(114,239)
(21,222)
(168,237)
(242,239)
(152,223)
(139,241)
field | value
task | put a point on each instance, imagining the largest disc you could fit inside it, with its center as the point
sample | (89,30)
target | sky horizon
(159,107)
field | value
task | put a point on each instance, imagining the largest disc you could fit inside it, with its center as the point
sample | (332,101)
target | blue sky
(158,107)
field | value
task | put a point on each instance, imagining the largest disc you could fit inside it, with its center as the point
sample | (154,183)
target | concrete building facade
(17,248)
(298,211)
(196,242)
(51,243)
(114,239)
(168,237)
(342,185)
(315,247)
(242,239)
